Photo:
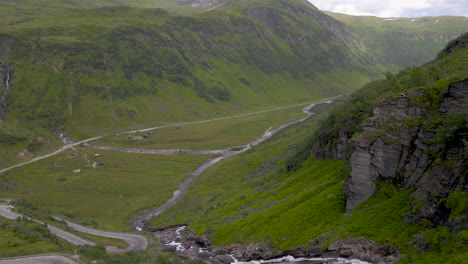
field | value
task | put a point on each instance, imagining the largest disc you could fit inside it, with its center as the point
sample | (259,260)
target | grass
(13,243)
(251,198)
(109,195)
(218,134)
(176,104)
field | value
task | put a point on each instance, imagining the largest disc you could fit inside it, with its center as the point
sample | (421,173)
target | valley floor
(68,160)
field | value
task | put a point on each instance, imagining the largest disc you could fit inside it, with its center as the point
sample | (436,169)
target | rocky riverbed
(185,243)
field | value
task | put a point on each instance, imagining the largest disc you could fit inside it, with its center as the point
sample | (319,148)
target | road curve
(42,259)
(75,240)
(136,242)
(140,221)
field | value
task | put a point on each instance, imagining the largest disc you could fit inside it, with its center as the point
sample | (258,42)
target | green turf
(108,195)
(219,134)
(28,238)
(253,198)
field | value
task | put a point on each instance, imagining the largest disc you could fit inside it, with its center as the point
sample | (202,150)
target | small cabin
(97,155)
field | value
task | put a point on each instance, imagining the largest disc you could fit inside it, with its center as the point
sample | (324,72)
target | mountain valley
(324,133)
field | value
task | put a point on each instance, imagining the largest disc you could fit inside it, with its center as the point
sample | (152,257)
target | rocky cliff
(414,145)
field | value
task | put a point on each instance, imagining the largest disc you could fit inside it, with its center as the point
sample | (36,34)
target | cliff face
(413,145)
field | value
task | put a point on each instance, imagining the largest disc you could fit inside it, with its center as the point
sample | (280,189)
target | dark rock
(167,248)
(225,259)
(315,252)
(364,249)
(331,254)
(6,187)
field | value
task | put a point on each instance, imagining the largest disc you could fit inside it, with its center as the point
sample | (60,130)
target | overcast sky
(395,8)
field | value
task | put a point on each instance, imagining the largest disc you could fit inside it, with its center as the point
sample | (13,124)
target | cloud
(395,8)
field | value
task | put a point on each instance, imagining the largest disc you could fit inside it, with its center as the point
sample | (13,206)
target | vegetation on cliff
(270,195)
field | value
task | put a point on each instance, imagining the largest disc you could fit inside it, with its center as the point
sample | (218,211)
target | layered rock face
(401,144)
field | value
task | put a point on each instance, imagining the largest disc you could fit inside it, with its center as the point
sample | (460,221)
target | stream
(190,246)
(7,85)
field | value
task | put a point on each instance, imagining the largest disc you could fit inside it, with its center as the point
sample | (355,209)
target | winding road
(6,212)
(135,242)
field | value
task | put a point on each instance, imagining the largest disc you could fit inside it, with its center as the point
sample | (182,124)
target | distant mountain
(397,43)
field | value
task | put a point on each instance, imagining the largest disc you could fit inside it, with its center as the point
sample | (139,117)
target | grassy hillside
(260,197)
(88,71)
(98,67)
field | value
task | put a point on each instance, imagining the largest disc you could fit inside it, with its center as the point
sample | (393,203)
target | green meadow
(218,134)
(108,195)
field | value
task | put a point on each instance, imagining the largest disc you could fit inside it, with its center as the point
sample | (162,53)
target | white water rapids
(179,243)
(290,259)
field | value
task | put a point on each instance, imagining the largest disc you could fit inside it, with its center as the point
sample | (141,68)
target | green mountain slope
(279,194)
(95,71)
(96,67)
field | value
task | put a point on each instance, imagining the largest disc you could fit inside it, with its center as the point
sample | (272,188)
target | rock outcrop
(366,250)
(402,144)
(190,246)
